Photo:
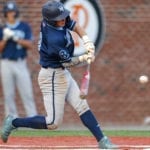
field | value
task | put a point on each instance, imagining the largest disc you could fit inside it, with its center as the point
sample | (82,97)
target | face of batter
(61,23)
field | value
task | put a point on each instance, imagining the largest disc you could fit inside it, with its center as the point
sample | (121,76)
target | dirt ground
(72,143)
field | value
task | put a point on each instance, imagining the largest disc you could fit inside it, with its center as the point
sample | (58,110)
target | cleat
(104,143)
(7,128)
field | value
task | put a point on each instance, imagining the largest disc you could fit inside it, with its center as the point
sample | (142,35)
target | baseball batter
(56,49)
(15,39)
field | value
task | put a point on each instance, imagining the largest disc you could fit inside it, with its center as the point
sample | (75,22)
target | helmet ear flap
(51,23)
(16,16)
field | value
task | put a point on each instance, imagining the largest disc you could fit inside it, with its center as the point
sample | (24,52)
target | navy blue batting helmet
(10,6)
(54,11)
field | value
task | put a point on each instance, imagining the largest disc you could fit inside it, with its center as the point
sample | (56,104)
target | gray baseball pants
(16,74)
(59,87)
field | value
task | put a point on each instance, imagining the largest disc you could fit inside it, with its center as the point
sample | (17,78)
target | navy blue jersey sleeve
(28,32)
(42,43)
(70,23)
(1,33)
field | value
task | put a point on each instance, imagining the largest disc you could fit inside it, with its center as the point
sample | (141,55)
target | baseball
(143,79)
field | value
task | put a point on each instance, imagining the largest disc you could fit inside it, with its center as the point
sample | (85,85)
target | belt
(46,67)
(12,59)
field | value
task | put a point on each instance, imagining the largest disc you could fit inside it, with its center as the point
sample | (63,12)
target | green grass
(50,133)
(37,133)
(128,133)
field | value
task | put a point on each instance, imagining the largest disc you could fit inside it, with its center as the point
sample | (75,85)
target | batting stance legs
(62,86)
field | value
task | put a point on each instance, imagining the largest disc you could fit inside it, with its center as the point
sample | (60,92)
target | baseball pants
(16,73)
(58,87)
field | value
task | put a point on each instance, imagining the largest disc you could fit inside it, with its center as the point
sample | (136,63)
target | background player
(56,48)
(15,40)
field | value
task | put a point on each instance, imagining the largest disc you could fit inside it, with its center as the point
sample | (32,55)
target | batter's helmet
(54,11)
(10,6)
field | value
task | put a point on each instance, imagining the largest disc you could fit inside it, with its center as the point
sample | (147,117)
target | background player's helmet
(10,6)
(54,11)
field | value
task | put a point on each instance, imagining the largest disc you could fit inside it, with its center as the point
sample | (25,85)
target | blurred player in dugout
(15,40)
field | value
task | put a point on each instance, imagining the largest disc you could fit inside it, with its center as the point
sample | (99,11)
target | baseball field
(69,139)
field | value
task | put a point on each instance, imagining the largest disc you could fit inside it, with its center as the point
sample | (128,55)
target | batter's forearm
(85,58)
(88,44)
(79,30)
(74,61)
(25,43)
(2,45)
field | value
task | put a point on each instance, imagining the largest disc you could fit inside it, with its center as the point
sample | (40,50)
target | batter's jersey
(56,45)
(13,50)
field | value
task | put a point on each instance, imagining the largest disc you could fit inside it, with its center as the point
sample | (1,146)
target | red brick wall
(115,96)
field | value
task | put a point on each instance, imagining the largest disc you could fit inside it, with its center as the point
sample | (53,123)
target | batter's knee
(82,107)
(52,126)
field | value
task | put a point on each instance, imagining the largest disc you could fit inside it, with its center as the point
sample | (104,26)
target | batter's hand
(15,38)
(87,57)
(7,34)
(91,57)
(88,44)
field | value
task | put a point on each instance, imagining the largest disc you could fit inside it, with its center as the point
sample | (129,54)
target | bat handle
(89,61)
(88,64)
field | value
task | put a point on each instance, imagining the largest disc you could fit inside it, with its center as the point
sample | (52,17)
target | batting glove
(89,57)
(15,38)
(7,34)
(92,57)
(88,44)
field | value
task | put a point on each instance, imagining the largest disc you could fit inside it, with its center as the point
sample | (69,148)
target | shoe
(7,128)
(104,143)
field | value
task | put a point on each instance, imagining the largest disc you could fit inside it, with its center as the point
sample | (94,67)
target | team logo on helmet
(61,9)
(10,6)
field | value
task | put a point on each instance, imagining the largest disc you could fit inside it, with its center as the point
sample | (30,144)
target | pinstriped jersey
(56,45)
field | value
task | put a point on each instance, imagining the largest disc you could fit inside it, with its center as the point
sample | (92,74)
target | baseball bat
(84,87)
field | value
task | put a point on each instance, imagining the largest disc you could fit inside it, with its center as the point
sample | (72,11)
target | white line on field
(88,147)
